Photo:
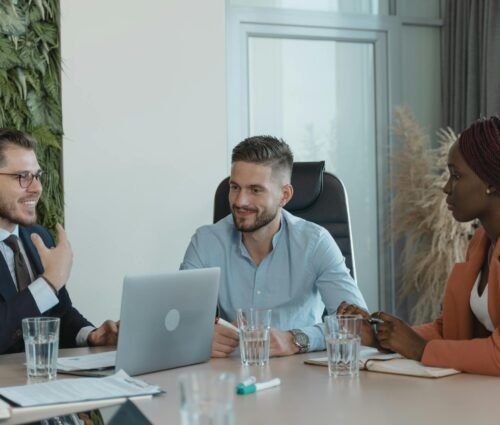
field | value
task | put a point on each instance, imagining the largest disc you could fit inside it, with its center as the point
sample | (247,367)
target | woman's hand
(396,335)
(367,334)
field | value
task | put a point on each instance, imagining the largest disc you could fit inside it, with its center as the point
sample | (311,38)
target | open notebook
(373,360)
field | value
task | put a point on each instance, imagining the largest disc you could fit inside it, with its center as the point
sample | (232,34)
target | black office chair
(318,196)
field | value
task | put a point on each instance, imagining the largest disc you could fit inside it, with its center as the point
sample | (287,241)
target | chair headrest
(307,182)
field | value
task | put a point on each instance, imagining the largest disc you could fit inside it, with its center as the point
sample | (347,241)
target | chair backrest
(318,196)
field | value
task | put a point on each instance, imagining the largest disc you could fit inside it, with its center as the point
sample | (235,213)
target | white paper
(410,368)
(78,390)
(4,410)
(87,362)
(371,353)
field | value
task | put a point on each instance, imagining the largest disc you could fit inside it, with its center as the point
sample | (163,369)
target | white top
(479,305)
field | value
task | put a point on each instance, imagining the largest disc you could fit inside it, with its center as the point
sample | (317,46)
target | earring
(488,191)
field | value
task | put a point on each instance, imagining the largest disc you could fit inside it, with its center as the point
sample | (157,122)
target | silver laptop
(167,320)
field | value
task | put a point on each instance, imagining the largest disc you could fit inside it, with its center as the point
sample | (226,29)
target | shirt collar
(4,234)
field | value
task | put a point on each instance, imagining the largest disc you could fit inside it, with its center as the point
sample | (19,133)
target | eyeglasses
(25,178)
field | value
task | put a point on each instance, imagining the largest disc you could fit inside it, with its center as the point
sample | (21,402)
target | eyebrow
(251,186)
(27,171)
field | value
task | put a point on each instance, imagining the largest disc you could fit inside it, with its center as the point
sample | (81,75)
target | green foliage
(30,89)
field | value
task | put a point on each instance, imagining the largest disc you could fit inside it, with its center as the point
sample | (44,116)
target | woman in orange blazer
(467,334)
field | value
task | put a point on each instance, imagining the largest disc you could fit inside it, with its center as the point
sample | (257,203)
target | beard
(261,219)
(8,213)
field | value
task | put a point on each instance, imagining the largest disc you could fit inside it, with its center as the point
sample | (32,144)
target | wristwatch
(300,339)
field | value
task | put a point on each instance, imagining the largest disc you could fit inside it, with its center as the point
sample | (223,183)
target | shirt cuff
(82,335)
(43,294)
(316,337)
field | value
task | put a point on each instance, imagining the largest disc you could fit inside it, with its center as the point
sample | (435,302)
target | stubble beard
(260,221)
(7,214)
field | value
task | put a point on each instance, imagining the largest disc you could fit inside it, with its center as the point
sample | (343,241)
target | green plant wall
(30,89)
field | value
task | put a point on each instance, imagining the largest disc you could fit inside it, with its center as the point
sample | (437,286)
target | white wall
(145,137)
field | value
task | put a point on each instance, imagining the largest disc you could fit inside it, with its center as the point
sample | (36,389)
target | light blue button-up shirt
(304,272)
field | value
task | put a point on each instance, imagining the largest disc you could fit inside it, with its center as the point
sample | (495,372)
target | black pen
(374,321)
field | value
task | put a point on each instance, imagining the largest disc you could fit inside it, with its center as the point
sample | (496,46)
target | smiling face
(255,195)
(17,204)
(466,192)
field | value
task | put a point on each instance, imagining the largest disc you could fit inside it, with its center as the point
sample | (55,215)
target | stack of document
(373,360)
(118,385)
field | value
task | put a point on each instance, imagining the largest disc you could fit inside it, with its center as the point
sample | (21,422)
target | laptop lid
(167,320)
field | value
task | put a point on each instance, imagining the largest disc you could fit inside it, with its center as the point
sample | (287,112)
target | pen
(225,323)
(258,386)
(374,321)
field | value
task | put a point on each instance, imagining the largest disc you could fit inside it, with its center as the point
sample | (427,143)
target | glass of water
(41,342)
(207,398)
(254,326)
(343,337)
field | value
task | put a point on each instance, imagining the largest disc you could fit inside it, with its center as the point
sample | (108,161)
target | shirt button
(258,292)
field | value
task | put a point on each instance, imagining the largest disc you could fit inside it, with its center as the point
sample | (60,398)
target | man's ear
(286,194)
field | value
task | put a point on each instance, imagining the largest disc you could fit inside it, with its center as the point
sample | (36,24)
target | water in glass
(254,346)
(343,355)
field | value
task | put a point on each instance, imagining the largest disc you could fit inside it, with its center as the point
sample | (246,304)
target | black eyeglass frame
(26,176)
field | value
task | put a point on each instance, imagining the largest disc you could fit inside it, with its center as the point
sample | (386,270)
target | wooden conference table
(307,395)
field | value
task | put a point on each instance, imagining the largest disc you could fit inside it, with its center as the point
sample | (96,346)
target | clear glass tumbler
(206,398)
(343,338)
(254,326)
(41,341)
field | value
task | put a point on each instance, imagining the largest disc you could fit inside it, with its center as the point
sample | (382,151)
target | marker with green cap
(258,386)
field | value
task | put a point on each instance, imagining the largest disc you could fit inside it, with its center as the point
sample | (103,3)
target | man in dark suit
(33,269)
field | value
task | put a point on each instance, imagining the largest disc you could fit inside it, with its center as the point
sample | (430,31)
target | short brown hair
(10,136)
(265,150)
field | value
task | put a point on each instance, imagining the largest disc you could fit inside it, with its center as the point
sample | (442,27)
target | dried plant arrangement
(432,239)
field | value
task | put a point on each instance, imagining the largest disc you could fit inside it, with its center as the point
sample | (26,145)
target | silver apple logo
(172,320)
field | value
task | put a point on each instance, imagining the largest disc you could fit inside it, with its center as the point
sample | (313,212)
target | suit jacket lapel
(7,287)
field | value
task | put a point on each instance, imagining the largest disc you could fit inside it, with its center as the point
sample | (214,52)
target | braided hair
(480,147)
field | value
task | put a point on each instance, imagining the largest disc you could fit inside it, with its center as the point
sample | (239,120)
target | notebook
(375,361)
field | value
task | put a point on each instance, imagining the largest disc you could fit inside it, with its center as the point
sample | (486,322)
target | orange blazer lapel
(458,319)
(494,286)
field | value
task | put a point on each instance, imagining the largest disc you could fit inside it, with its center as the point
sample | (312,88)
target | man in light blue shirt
(270,258)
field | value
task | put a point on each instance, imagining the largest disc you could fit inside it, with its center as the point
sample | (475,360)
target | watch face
(301,339)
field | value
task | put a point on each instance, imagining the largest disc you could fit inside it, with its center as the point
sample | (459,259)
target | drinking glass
(343,337)
(254,326)
(41,342)
(206,398)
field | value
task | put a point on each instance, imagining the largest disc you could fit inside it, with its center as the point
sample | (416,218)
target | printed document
(78,390)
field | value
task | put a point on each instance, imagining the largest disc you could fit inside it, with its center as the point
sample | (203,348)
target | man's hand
(367,334)
(106,334)
(225,341)
(56,261)
(396,335)
(281,343)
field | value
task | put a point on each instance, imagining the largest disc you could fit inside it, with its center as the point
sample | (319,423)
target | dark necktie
(22,272)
